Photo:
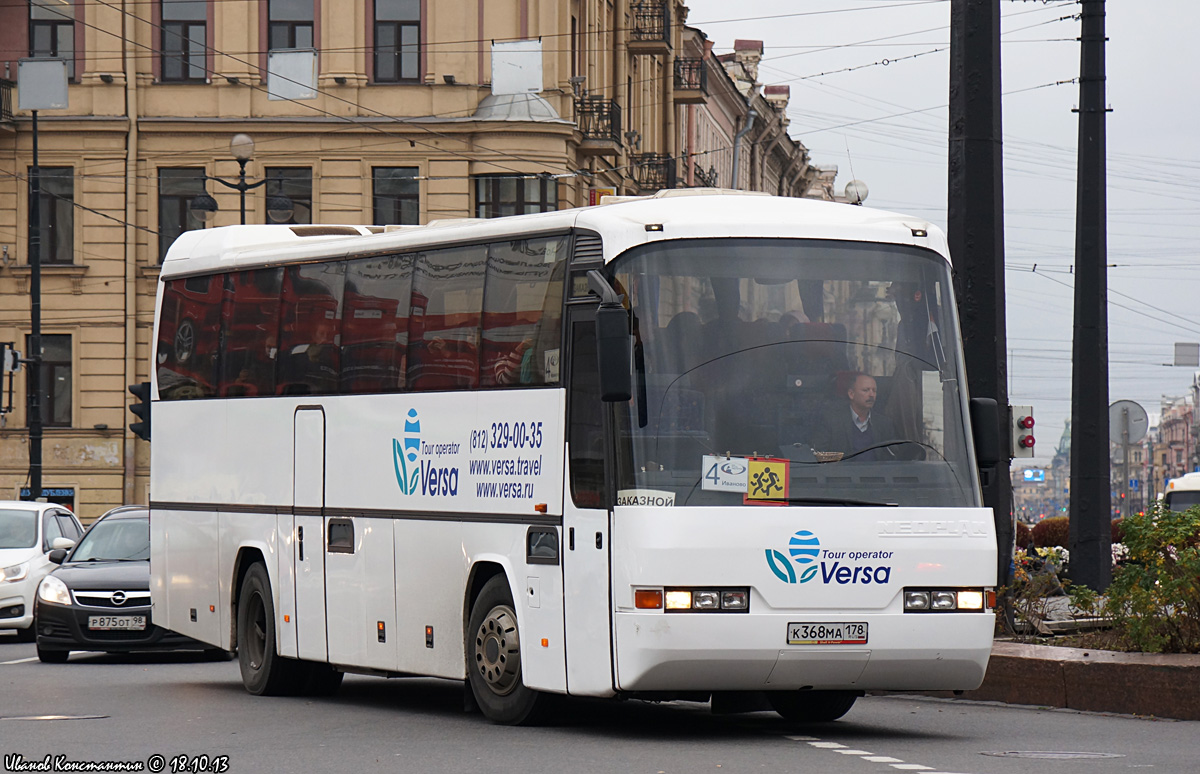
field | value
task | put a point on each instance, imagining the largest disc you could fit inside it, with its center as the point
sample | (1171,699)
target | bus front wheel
(812,706)
(494,658)
(264,672)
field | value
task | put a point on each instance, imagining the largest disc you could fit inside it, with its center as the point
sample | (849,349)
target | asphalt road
(196,716)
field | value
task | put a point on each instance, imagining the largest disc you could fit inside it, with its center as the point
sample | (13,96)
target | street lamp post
(203,206)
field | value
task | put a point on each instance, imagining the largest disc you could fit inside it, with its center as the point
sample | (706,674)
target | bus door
(586,580)
(308,530)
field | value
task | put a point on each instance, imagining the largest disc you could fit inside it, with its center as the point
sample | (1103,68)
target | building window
(52,31)
(499,195)
(296,184)
(56,215)
(184,40)
(396,196)
(55,379)
(290,24)
(397,40)
(177,186)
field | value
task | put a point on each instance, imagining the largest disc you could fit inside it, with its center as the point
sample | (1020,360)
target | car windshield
(115,540)
(838,360)
(18,529)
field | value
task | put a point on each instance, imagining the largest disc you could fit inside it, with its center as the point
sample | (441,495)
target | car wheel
(185,341)
(494,659)
(264,672)
(47,656)
(812,706)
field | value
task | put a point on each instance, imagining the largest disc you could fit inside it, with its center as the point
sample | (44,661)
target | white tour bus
(600,452)
(1182,493)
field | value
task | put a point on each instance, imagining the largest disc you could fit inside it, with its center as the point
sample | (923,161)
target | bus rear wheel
(494,659)
(812,706)
(264,672)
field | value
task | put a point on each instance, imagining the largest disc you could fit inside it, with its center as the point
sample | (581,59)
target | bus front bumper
(658,651)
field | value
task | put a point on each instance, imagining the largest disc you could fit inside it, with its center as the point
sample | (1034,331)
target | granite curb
(1155,684)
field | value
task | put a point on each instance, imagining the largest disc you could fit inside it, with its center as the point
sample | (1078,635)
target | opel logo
(118,598)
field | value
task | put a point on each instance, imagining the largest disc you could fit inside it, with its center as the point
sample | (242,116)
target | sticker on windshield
(767,480)
(652,497)
(725,474)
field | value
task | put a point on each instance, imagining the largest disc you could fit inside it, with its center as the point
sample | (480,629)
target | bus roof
(1187,482)
(623,223)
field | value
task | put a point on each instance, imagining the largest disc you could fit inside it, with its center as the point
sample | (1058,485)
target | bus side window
(189,337)
(310,328)
(443,332)
(375,324)
(522,305)
(250,332)
(586,432)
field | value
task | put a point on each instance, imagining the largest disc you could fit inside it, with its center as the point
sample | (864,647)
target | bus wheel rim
(498,650)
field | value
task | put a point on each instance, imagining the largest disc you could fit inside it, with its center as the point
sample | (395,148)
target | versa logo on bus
(413,467)
(405,455)
(805,550)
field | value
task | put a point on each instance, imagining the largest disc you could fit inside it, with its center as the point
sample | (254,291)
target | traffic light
(141,410)
(1022,431)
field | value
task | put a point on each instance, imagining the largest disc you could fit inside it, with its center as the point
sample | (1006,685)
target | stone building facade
(403,125)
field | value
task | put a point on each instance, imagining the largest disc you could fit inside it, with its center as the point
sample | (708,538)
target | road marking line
(801,738)
(18,661)
(852,752)
(911,767)
(883,759)
(828,745)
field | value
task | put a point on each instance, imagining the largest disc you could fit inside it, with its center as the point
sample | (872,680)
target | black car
(99,599)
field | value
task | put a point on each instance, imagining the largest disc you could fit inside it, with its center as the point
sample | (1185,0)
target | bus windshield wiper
(843,501)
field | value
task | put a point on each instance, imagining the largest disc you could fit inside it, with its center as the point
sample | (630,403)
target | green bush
(1023,535)
(1154,598)
(1051,532)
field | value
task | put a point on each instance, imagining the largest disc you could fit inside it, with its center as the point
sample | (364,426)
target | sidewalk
(1161,685)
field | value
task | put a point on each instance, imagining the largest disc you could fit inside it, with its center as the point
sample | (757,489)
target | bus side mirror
(614,349)
(985,430)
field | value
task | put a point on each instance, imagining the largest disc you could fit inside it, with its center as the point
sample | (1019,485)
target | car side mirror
(57,555)
(985,431)
(63,543)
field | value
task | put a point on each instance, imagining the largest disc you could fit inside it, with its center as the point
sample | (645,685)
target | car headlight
(15,573)
(54,591)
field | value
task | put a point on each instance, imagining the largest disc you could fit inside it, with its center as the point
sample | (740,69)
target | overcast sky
(885,124)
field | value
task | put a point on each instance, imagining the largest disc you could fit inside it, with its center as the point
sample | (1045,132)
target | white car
(28,532)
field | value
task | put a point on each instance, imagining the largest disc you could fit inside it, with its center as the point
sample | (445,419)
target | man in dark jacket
(856,430)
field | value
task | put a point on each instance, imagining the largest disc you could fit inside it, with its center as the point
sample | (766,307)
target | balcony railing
(653,171)
(702,179)
(691,80)
(599,120)
(651,31)
(6,90)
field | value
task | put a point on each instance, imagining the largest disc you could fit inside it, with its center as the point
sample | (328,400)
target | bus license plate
(106,623)
(827,634)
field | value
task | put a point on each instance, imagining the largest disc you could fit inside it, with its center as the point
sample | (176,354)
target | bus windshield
(837,361)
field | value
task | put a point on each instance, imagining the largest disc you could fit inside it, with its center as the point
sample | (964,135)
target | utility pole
(1090,530)
(33,401)
(976,232)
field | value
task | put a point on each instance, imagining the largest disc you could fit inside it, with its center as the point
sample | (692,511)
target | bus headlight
(948,600)
(916,600)
(970,599)
(693,600)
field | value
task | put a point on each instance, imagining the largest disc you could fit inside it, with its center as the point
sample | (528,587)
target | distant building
(404,126)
